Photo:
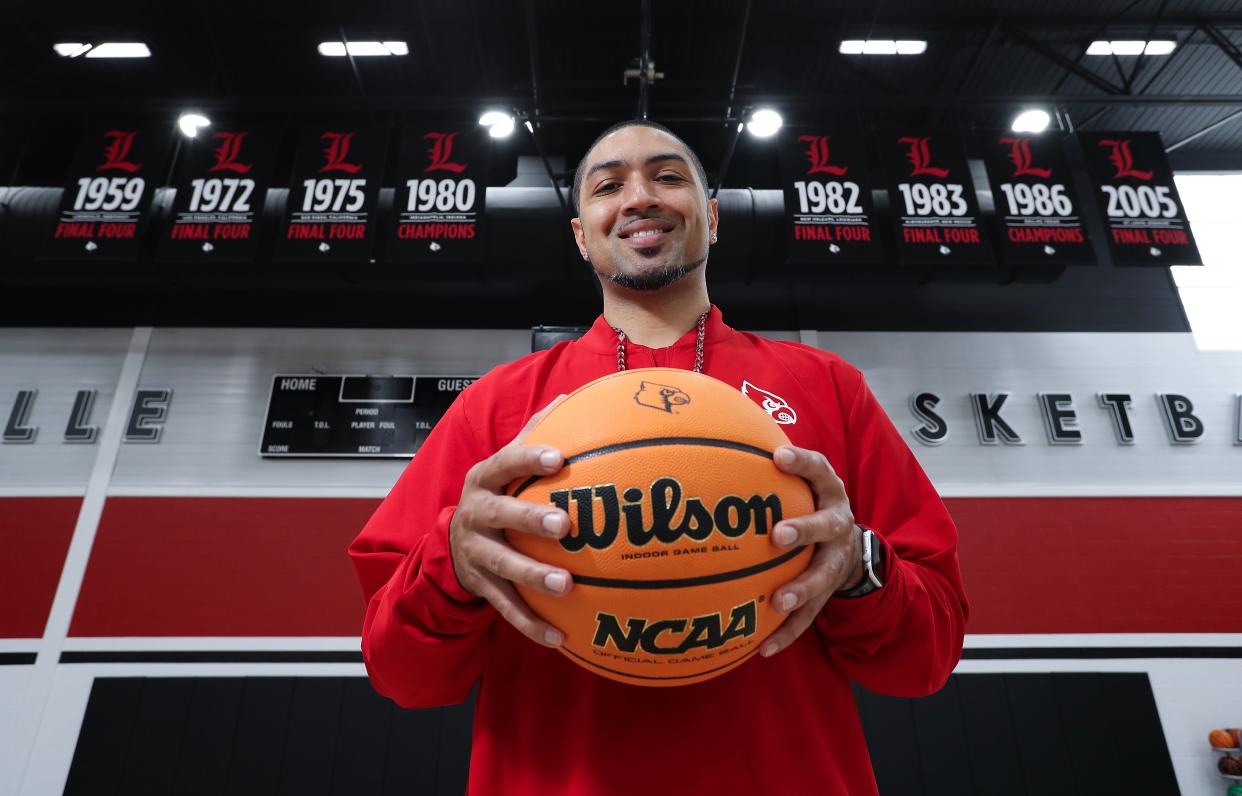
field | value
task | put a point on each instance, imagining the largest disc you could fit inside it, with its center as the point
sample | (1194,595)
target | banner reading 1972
(104,207)
(1037,209)
(827,186)
(1143,214)
(932,200)
(440,197)
(330,212)
(221,184)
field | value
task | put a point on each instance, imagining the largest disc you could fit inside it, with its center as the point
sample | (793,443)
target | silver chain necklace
(698,344)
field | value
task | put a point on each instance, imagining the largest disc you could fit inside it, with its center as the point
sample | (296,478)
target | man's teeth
(646,233)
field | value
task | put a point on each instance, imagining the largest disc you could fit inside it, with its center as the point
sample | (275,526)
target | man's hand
(487,566)
(837,560)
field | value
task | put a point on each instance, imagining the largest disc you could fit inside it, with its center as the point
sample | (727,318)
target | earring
(713,237)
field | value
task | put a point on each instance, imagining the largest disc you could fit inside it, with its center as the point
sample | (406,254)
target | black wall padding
(1061,734)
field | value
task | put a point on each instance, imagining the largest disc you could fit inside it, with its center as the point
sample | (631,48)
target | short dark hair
(580,172)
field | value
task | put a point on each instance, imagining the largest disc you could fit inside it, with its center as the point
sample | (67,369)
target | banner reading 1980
(1037,209)
(221,184)
(439,201)
(935,213)
(336,180)
(111,182)
(827,185)
(1143,214)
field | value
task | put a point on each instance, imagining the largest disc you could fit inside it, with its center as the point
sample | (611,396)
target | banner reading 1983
(441,188)
(1037,209)
(935,213)
(827,186)
(111,182)
(221,184)
(1143,214)
(332,197)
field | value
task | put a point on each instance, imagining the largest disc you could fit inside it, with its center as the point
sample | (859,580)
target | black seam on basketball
(679,583)
(654,442)
(595,665)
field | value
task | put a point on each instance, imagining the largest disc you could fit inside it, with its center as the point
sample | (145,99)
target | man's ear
(713,215)
(579,236)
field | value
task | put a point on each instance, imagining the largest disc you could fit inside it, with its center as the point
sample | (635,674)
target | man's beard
(653,280)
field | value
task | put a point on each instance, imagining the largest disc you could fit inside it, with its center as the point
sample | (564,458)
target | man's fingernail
(785,535)
(555,581)
(785,456)
(549,458)
(552,523)
(788,601)
(768,650)
(553,637)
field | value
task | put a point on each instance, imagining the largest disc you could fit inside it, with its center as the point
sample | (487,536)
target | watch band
(873,566)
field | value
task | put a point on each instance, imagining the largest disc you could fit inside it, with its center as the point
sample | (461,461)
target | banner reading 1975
(113,177)
(827,185)
(221,184)
(1143,214)
(1037,209)
(932,200)
(330,212)
(440,197)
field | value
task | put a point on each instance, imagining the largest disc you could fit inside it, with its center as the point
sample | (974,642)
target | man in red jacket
(881,603)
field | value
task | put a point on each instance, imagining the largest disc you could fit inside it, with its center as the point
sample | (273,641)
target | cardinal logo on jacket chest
(777,407)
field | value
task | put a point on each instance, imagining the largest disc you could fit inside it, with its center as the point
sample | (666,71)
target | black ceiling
(984,61)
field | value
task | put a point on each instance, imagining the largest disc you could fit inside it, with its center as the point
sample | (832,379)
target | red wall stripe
(277,567)
(34,538)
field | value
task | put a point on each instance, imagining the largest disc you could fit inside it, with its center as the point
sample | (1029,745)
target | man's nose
(639,196)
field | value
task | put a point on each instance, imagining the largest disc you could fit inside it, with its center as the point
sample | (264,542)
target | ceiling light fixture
(498,123)
(70,49)
(1033,120)
(764,123)
(1132,47)
(883,47)
(189,123)
(362,49)
(108,49)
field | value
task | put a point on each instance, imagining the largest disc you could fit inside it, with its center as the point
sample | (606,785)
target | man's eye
(606,187)
(671,178)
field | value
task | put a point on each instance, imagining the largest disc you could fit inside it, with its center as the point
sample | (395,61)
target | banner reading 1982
(441,188)
(935,213)
(827,185)
(111,182)
(1037,209)
(221,184)
(1143,214)
(336,181)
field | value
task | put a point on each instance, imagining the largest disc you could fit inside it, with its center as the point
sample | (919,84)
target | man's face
(644,220)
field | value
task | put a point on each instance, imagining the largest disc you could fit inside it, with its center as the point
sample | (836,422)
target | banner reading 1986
(1037,209)
(329,216)
(827,186)
(439,201)
(935,213)
(111,182)
(221,184)
(1143,214)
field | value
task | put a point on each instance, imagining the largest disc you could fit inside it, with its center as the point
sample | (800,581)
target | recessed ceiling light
(1132,47)
(882,47)
(70,49)
(190,122)
(764,123)
(119,49)
(498,123)
(362,49)
(1031,121)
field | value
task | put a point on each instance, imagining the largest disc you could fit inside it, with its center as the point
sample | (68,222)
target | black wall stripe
(16,658)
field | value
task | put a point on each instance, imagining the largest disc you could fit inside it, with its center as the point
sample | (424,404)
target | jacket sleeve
(424,636)
(906,638)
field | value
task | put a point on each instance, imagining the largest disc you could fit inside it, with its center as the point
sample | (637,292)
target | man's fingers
(827,526)
(499,512)
(794,626)
(813,467)
(500,559)
(536,417)
(819,580)
(515,461)
(509,604)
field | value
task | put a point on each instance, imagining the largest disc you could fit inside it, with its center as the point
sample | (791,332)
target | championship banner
(1143,214)
(440,197)
(111,183)
(935,213)
(330,212)
(827,184)
(1036,209)
(221,185)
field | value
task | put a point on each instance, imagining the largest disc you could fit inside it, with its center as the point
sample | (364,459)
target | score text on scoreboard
(326,415)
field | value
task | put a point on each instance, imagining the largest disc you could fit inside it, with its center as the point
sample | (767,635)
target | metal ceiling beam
(1060,60)
(644,61)
(1223,43)
(737,62)
(1199,134)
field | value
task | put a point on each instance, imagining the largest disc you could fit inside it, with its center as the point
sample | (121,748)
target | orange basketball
(672,496)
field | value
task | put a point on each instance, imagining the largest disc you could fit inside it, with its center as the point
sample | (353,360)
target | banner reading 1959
(441,188)
(221,184)
(330,214)
(1143,214)
(1037,209)
(935,213)
(104,207)
(827,186)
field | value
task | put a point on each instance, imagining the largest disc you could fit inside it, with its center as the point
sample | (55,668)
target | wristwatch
(873,566)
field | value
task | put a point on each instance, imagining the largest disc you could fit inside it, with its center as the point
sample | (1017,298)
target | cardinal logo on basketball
(226,154)
(776,407)
(116,154)
(919,155)
(440,151)
(336,151)
(1020,157)
(817,154)
(660,396)
(1122,159)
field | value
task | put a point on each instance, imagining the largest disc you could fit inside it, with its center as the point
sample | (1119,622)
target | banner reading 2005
(441,188)
(336,180)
